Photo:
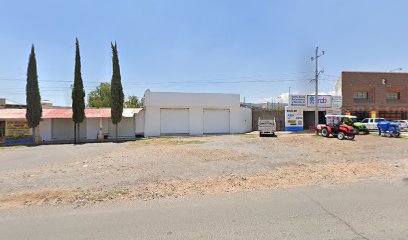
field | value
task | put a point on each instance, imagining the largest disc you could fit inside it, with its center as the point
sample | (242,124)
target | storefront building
(300,113)
(374,94)
(57,125)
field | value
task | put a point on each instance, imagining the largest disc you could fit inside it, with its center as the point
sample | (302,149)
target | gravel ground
(178,166)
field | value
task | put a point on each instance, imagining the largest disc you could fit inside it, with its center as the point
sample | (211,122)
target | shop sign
(18,131)
(324,101)
(337,101)
(294,117)
(297,101)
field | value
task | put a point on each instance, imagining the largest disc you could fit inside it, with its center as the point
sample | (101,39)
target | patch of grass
(249,135)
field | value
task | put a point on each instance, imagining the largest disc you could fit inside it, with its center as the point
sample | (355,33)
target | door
(174,121)
(216,121)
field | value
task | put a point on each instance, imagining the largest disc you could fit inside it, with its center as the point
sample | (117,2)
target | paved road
(369,210)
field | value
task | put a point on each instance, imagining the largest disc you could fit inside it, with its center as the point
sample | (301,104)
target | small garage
(216,121)
(171,113)
(174,121)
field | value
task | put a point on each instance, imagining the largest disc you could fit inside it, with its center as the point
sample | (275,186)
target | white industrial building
(169,113)
(164,113)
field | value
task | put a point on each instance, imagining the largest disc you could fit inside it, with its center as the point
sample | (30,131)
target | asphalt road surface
(365,210)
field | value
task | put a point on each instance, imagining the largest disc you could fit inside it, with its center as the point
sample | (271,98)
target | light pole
(317,73)
(289,96)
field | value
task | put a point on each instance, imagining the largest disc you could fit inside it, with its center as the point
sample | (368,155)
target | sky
(255,48)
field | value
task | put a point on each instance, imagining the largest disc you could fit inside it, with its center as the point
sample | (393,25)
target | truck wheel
(351,136)
(388,134)
(341,136)
(366,131)
(397,134)
(325,132)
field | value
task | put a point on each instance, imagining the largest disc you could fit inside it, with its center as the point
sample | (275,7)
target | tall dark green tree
(33,98)
(117,96)
(78,94)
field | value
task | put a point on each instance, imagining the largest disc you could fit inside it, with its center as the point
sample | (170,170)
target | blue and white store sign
(324,101)
(297,101)
(293,119)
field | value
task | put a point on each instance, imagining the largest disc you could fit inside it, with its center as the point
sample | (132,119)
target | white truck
(266,128)
(371,123)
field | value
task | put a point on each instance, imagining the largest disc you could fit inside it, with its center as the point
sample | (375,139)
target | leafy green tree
(33,97)
(132,102)
(117,96)
(78,94)
(101,96)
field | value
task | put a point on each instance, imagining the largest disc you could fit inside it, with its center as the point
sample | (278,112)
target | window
(365,121)
(360,95)
(379,120)
(393,96)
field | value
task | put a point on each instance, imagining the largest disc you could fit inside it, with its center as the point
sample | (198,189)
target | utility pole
(317,73)
(289,96)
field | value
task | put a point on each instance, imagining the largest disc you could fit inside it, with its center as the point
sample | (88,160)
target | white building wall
(140,122)
(46,130)
(152,121)
(240,119)
(196,121)
(126,128)
(235,120)
(174,99)
(92,128)
(246,119)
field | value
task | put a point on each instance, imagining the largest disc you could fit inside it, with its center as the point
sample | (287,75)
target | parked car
(371,123)
(352,121)
(403,124)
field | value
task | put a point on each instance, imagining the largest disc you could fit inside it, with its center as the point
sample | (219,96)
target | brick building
(374,94)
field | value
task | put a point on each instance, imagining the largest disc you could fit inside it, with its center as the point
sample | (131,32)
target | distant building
(374,94)
(6,103)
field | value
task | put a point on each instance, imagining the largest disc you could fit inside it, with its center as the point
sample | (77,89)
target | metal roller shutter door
(174,121)
(216,121)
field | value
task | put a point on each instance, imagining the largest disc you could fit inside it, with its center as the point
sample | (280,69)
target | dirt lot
(173,167)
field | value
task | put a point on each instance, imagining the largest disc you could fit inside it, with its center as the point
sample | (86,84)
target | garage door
(174,121)
(216,121)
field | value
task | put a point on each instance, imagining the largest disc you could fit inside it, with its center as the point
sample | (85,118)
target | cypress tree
(33,98)
(117,96)
(78,94)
